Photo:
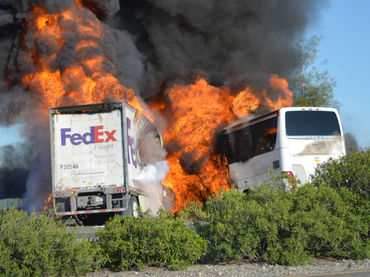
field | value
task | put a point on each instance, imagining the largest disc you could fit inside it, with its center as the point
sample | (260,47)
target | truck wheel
(132,207)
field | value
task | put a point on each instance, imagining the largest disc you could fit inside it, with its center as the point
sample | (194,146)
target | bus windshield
(311,123)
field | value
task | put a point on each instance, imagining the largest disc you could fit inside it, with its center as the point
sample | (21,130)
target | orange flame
(47,203)
(86,80)
(284,99)
(245,102)
(270,131)
(195,113)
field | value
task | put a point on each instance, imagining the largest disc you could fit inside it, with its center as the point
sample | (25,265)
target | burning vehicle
(196,66)
(99,155)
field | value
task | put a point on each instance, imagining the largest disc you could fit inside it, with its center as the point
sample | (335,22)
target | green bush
(272,225)
(227,222)
(37,245)
(161,241)
(351,171)
(326,222)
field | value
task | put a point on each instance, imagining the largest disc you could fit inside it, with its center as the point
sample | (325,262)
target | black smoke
(153,44)
(231,42)
(15,163)
(351,143)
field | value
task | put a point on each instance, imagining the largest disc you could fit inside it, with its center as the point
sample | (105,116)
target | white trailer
(96,153)
(292,140)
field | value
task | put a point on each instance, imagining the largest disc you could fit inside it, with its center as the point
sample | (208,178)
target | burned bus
(291,140)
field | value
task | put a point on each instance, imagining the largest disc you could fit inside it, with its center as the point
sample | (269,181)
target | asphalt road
(350,273)
(86,231)
(246,269)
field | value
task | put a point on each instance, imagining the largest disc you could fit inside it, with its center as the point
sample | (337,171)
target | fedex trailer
(96,152)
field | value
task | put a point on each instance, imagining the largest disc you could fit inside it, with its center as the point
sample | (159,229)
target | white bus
(291,140)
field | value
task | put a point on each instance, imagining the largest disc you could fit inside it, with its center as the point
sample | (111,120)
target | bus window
(311,123)
(264,136)
(224,146)
(245,143)
(236,146)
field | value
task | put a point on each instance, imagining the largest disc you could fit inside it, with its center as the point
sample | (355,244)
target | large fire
(194,112)
(89,78)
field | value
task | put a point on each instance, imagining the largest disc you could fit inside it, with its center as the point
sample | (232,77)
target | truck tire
(133,204)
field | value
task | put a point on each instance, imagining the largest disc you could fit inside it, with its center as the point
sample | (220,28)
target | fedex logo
(96,135)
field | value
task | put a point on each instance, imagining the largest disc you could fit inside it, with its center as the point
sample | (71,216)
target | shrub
(281,227)
(37,245)
(137,242)
(351,171)
(227,223)
(325,221)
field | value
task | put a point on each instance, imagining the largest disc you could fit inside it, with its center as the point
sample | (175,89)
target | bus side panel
(256,150)
(255,171)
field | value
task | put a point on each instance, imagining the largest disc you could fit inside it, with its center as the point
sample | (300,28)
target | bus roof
(325,109)
(250,120)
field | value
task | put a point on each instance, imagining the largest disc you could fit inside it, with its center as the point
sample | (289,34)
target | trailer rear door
(87,150)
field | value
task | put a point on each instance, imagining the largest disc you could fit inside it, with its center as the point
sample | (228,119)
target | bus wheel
(132,207)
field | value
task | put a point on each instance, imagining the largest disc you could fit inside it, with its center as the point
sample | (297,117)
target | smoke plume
(150,181)
(149,46)
(235,42)
(15,164)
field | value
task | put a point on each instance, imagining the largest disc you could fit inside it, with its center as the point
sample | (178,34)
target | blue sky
(10,135)
(345,45)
